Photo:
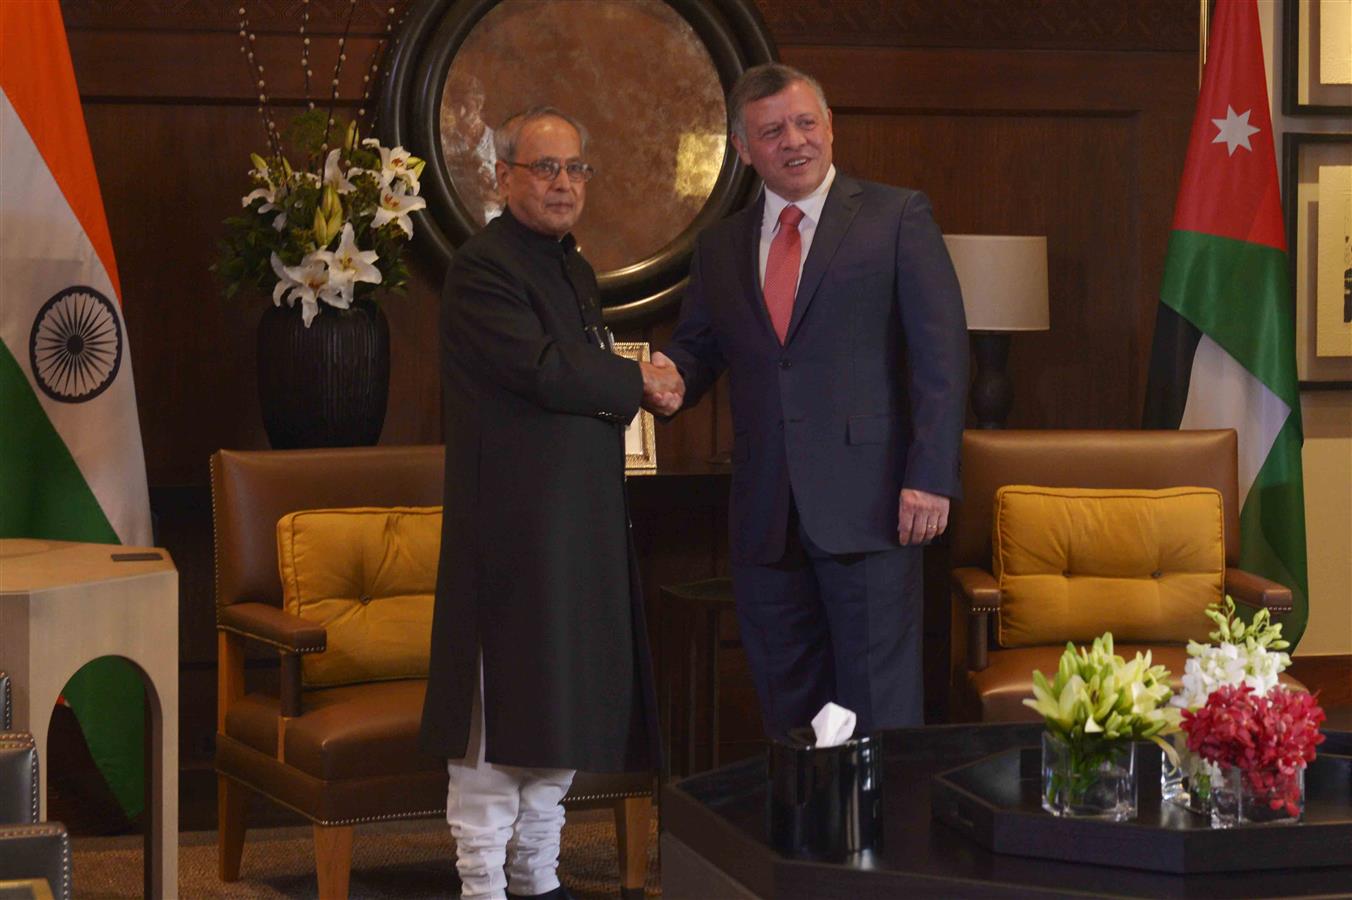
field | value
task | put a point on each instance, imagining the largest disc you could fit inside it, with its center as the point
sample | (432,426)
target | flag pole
(1203,33)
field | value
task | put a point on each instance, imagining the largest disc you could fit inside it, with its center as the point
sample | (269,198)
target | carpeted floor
(394,860)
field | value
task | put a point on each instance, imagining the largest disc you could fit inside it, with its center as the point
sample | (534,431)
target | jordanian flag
(71,464)
(1224,351)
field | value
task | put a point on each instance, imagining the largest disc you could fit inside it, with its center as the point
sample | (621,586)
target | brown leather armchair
(988,682)
(349,754)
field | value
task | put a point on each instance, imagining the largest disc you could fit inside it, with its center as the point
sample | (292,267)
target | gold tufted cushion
(1073,563)
(368,576)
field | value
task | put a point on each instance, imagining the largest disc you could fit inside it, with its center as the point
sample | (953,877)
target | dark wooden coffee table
(715,841)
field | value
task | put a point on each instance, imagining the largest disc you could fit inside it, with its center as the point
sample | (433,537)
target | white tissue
(834,725)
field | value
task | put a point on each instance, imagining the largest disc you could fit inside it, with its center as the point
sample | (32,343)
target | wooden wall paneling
(1015,24)
(1086,148)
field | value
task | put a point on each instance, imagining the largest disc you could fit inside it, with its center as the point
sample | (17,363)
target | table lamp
(1004,289)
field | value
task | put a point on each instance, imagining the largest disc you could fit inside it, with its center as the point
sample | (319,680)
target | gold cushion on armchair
(368,575)
(1073,563)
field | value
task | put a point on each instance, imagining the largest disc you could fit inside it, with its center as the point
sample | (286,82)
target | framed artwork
(647,78)
(640,435)
(1317,57)
(1318,184)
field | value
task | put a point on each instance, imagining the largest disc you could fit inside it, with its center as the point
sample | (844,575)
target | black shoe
(559,893)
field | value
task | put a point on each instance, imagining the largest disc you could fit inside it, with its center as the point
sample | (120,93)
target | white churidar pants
(503,814)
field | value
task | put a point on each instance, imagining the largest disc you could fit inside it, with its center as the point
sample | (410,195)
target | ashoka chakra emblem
(76,345)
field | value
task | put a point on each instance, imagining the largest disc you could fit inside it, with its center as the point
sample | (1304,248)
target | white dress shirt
(811,205)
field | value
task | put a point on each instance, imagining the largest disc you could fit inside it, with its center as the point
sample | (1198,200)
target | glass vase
(1187,784)
(1091,778)
(1261,798)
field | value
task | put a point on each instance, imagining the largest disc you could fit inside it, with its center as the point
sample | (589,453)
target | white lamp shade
(1003,279)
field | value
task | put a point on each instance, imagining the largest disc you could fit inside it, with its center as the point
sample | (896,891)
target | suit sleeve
(930,304)
(487,315)
(693,346)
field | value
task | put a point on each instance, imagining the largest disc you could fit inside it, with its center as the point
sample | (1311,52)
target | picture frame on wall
(1318,201)
(640,435)
(1317,58)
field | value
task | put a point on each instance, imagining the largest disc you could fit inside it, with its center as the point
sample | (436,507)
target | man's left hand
(921,516)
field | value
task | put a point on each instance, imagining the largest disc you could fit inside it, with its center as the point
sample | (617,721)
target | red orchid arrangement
(1268,737)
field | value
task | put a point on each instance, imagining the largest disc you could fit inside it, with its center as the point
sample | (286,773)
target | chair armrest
(1255,590)
(976,594)
(18,779)
(272,626)
(37,851)
(978,587)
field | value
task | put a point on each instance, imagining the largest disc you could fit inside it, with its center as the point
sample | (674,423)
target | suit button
(786,363)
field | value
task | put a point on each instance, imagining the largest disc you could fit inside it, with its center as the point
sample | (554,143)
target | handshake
(663,387)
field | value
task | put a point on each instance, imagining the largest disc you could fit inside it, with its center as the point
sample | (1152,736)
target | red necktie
(781,270)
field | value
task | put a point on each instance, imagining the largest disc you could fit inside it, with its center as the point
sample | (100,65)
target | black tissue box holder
(825,803)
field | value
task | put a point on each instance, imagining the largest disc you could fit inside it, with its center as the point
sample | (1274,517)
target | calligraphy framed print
(1318,187)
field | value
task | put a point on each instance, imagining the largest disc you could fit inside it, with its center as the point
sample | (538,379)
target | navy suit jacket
(867,395)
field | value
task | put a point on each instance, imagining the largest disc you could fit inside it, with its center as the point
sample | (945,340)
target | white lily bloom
(349,265)
(333,175)
(394,163)
(311,285)
(395,205)
(284,281)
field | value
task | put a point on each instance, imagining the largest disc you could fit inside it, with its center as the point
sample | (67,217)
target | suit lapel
(747,255)
(842,202)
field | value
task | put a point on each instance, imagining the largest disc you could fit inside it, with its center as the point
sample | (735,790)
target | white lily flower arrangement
(1098,696)
(327,234)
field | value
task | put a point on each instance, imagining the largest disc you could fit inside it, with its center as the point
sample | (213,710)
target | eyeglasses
(548,169)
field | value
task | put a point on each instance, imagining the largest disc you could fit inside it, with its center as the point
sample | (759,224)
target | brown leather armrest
(270,625)
(1255,590)
(978,587)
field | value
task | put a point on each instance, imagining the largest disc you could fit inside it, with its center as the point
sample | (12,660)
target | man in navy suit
(834,306)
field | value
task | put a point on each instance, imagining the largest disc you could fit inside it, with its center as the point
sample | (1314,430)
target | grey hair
(507,135)
(763,81)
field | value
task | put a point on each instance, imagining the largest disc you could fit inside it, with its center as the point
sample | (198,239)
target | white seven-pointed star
(1234,130)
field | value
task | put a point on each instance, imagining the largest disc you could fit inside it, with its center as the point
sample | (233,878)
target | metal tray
(996,802)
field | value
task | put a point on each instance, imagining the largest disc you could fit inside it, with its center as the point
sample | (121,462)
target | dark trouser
(819,628)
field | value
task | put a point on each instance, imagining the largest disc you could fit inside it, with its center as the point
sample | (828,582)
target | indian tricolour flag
(1224,351)
(71,464)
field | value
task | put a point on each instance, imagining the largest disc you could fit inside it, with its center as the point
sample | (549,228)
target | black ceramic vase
(326,385)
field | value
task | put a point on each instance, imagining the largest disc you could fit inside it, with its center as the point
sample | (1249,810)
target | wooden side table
(63,604)
(700,604)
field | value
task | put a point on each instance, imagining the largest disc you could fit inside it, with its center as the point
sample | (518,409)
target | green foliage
(1260,631)
(295,212)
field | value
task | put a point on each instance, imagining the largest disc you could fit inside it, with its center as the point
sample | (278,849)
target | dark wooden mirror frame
(733,34)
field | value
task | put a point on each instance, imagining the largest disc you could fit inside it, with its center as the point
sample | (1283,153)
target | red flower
(1269,738)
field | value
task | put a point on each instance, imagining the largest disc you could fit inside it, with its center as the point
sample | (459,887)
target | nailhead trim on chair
(415,814)
(262,640)
(9,707)
(45,830)
(22,740)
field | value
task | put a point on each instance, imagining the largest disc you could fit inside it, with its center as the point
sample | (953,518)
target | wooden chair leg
(333,860)
(633,817)
(230,799)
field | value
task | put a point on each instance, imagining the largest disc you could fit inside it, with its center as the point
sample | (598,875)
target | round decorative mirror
(647,78)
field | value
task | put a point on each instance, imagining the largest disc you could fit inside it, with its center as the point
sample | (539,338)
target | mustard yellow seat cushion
(368,576)
(1073,563)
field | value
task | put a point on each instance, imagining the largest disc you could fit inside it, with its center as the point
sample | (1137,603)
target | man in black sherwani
(539,661)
